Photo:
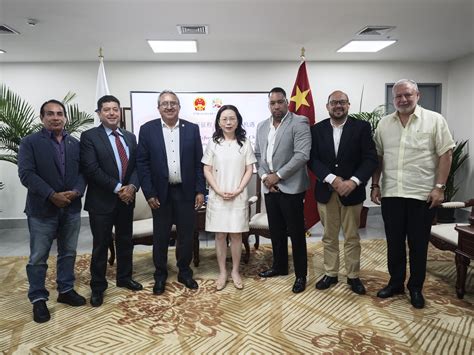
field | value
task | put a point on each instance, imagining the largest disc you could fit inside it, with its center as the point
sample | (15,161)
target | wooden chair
(258,223)
(143,230)
(458,238)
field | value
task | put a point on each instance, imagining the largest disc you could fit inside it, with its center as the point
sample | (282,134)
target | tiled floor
(15,242)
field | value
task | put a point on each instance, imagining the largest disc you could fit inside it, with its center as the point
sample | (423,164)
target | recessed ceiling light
(365,46)
(2,51)
(173,46)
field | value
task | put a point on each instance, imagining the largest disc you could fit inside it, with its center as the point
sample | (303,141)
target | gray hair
(405,81)
(164,92)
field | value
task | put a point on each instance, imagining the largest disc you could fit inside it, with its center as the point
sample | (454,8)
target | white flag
(102,87)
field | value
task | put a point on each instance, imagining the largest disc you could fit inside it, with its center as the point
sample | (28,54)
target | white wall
(37,82)
(461,116)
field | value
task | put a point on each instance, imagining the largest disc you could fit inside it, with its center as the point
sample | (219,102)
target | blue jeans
(65,228)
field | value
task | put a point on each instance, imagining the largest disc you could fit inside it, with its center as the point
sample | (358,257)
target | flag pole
(302,57)
(101,56)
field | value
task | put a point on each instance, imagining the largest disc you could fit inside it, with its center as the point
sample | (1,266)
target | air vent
(375,30)
(193,29)
(5,30)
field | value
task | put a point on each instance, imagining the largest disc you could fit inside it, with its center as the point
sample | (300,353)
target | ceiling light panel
(173,46)
(365,46)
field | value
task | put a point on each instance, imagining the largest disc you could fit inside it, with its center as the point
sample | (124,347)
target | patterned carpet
(265,317)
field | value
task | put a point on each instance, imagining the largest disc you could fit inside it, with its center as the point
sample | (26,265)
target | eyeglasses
(169,104)
(338,102)
(228,119)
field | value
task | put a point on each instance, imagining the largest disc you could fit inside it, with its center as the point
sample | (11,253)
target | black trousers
(286,217)
(101,228)
(175,210)
(409,220)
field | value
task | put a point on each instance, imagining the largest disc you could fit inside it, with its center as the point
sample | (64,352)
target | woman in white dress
(228,167)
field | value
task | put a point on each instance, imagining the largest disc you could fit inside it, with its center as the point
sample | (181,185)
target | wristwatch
(441,186)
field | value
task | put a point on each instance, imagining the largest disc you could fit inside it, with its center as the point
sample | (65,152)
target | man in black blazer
(108,156)
(172,179)
(343,158)
(48,166)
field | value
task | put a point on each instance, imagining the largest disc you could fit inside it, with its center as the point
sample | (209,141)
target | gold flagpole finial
(100,53)
(302,53)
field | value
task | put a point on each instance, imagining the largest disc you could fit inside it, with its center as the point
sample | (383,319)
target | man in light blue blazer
(282,150)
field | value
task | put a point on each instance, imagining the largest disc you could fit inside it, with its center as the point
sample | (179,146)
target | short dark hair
(52,101)
(104,99)
(276,90)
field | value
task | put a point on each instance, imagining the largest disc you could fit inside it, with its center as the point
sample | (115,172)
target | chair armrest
(453,204)
(252,200)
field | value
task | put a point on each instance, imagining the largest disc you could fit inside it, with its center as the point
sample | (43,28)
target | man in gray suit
(282,149)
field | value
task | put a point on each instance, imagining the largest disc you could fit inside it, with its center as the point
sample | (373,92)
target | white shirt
(411,153)
(171,137)
(336,136)
(271,143)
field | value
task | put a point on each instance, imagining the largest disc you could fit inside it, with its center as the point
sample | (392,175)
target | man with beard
(414,147)
(343,157)
(282,150)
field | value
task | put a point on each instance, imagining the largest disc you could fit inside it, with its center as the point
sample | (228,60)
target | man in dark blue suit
(108,162)
(48,166)
(172,179)
(343,157)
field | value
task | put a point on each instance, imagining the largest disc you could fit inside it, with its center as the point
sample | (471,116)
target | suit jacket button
(336,165)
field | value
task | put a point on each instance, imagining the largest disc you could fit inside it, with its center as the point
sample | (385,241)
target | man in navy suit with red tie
(343,157)
(172,179)
(108,162)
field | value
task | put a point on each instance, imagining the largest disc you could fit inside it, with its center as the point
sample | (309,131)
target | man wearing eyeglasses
(414,147)
(343,158)
(172,179)
(282,150)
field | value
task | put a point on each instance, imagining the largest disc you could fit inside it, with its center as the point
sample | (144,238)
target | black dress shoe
(189,283)
(71,298)
(417,299)
(40,312)
(130,284)
(390,291)
(356,286)
(97,298)
(326,282)
(299,285)
(271,273)
(159,287)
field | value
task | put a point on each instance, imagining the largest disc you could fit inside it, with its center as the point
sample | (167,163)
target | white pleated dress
(228,161)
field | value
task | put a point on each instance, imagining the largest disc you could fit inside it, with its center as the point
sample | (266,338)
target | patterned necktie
(122,153)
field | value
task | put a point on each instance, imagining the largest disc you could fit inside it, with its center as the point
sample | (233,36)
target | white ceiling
(239,30)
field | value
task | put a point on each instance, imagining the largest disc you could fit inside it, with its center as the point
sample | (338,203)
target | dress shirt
(171,137)
(109,133)
(271,143)
(411,153)
(336,136)
(59,150)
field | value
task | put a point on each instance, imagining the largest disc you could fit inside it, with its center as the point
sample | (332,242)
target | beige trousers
(335,215)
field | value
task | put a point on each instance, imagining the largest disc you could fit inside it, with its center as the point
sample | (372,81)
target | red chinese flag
(301,103)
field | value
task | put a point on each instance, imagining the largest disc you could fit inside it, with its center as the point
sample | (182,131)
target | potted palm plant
(460,156)
(18,119)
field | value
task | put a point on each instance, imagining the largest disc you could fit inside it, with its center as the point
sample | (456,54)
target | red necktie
(122,154)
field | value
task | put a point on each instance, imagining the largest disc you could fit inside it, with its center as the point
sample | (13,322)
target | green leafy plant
(459,158)
(373,117)
(18,119)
